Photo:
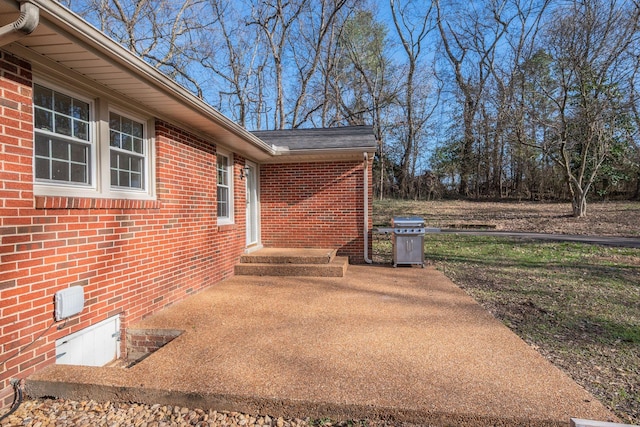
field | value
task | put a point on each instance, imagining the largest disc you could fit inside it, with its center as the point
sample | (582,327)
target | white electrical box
(68,302)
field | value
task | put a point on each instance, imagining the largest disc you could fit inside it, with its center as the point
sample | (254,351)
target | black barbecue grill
(408,240)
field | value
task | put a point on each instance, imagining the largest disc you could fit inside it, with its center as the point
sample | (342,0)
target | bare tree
(276,19)
(362,80)
(507,126)
(634,106)
(159,31)
(413,24)
(231,50)
(469,38)
(316,23)
(588,42)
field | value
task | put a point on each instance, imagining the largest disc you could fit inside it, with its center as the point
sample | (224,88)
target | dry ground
(606,219)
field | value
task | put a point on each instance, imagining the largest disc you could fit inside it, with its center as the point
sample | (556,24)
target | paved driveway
(616,241)
(403,344)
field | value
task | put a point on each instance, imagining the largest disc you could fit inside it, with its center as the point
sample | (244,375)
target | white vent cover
(69,301)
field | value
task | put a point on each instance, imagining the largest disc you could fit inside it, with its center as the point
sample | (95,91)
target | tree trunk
(467,148)
(578,202)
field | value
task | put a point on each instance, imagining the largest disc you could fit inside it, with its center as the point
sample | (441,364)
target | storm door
(251,179)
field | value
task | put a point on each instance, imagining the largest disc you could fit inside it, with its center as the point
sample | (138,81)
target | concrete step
(337,267)
(289,256)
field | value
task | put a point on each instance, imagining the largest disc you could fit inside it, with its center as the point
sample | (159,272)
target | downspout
(26,23)
(366,209)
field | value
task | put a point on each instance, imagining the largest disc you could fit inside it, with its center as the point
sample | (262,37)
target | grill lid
(407,221)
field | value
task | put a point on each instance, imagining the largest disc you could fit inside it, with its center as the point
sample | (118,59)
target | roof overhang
(65,45)
(345,143)
(318,155)
(65,42)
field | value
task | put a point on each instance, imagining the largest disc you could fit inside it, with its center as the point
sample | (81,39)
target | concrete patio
(400,344)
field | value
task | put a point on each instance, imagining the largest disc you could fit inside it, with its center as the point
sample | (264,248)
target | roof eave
(80,30)
(325,155)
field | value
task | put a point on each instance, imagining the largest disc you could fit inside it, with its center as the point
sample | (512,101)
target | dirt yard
(606,219)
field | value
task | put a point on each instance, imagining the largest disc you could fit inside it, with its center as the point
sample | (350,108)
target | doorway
(253,223)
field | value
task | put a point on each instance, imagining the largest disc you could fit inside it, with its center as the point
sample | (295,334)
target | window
(224,190)
(127,152)
(62,137)
(85,148)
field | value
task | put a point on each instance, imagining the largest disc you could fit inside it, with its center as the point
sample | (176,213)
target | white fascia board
(323,155)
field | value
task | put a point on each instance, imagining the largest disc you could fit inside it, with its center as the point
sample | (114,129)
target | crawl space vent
(68,302)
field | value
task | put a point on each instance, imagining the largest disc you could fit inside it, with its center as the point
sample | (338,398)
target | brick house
(116,180)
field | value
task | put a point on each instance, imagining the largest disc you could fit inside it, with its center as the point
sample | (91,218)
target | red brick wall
(132,257)
(142,342)
(315,205)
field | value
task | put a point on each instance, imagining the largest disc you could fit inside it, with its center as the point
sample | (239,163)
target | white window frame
(100,156)
(226,219)
(147,150)
(63,186)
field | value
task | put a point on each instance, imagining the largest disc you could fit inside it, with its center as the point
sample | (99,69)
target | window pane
(136,164)
(114,177)
(80,110)
(42,146)
(60,150)
(63,125)
(114,121)
(43,97)
(126,126)
(124,179)
(136,180)
(138,146)
(81,130)
(127,143)
(60,170)
(62,104)
(223,201)
(42,168)
(79,153)
(137,130)
(43,119)
(223,170)
(115,139)
(78,173)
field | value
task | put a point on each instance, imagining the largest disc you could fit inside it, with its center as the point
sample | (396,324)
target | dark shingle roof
(338,138)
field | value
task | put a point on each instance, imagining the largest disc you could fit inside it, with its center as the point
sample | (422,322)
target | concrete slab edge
(577,422)
(273,407)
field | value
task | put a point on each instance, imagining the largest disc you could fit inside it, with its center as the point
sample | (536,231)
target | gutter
(283,150)
(26,23)
(366,209)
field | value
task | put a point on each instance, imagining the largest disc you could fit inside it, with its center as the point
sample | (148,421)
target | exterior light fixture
(243,172)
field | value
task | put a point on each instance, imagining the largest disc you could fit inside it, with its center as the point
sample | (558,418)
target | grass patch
(577,304)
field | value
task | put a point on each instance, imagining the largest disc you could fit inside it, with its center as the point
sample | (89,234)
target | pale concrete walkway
(403,344)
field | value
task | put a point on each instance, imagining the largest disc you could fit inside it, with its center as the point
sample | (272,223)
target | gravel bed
(63,413)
